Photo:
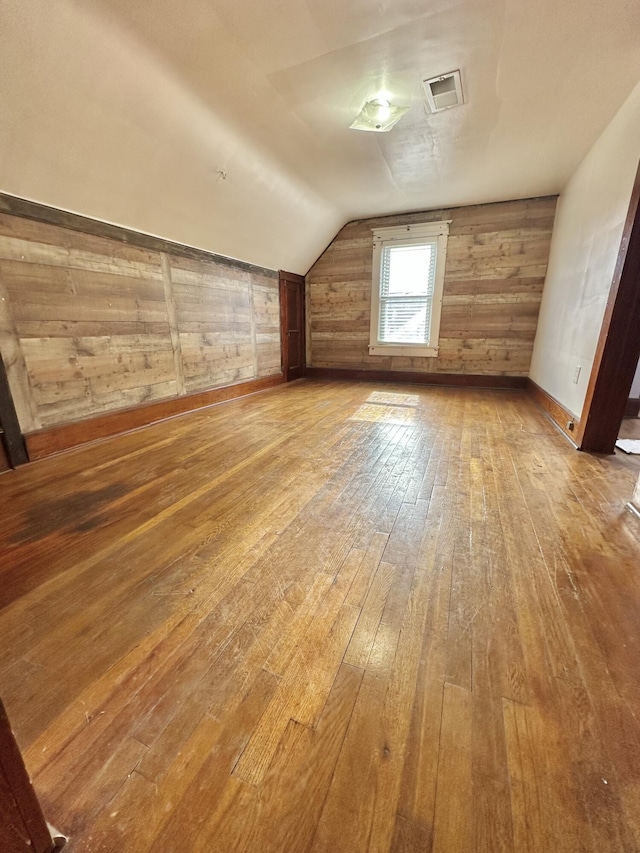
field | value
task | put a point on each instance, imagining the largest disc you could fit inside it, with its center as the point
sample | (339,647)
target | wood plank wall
(89,324)
(496,264)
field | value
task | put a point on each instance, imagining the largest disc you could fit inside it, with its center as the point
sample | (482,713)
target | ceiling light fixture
(378,115)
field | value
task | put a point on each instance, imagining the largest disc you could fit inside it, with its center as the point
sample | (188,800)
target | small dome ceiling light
(378,115)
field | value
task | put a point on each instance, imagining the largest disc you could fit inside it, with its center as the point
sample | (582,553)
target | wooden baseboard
(561,417)
(414,378)
(632,409)
(46,442)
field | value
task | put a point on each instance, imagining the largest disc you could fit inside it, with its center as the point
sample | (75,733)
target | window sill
(407,350)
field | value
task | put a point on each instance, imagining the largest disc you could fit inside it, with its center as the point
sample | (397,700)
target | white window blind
(407,279)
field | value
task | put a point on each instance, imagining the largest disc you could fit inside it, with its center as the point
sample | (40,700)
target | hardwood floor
(629,428)
(329,617)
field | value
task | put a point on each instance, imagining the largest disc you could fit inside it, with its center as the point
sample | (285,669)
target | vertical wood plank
(173,322)
(252,319)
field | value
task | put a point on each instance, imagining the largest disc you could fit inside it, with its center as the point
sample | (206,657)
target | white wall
(94,121)
(588,229)
(635,388)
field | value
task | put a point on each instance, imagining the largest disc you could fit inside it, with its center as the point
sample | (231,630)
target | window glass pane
(408,270)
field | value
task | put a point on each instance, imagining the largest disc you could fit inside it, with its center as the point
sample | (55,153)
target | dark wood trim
(46,442)
(618,347)
(15,206)
(632,409)
(560,416)
(4,461)
(413,378)
(441,211)
(299,280)
(23,801)
(11,436)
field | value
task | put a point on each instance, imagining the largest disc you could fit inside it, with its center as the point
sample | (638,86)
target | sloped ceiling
(224,124)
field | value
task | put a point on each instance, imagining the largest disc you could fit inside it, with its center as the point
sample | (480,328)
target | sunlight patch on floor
(387,408)
(393,399)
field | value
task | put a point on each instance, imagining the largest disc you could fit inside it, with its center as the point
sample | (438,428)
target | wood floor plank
(375,743)
(195,778)
(464,607)
(419,780)
(367,569)
(409,837)
(301,694)
(529,829)
(453,823)
(288,804)
(330,617)
(362,639)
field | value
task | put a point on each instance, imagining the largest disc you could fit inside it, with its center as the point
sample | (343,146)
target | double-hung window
(406,296)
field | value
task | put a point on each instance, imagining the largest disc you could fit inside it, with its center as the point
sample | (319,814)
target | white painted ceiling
(128,110)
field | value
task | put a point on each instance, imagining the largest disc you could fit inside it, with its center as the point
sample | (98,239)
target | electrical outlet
(576,375)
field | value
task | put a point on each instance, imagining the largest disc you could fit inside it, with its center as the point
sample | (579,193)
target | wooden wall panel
(91,318)
(496,263)
(266,311)
(213,310)
(90,324)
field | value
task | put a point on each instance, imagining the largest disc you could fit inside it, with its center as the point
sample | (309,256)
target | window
(406,296)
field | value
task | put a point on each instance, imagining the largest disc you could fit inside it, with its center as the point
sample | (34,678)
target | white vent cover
(444,92)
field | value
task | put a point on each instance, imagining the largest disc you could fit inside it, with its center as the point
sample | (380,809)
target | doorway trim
(298,281)
(618,349)
(11,437)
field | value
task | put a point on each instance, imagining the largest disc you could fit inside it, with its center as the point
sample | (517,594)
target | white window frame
(408,235)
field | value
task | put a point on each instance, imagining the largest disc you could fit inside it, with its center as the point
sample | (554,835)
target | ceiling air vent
(444,92)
